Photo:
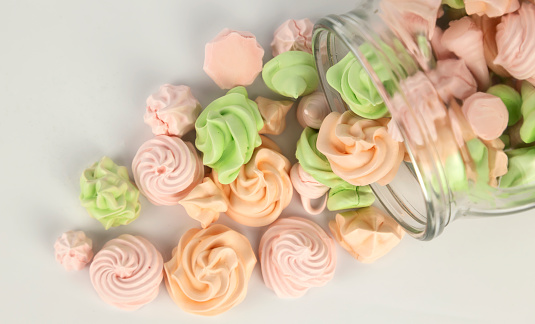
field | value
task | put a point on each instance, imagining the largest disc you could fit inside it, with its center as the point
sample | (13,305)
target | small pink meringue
(491,8)
(233,58)
(73,250)
(172,110)
(293,35)
(486,114)
(205,202)
(274,114)
(465,39)
(441,52)
(309,189)
(453,80)
(488,27)
(312,110)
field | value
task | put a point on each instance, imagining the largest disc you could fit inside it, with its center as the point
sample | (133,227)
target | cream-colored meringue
(490,8)
(452,79)
(312,110)
(515,39)
(274,114)
(296,254)
(209,271)
(488,27)
(172,110)
(205,202)
(293,35)
(73,250)
(366,233)
(309,189)
(465,39)
(486,114)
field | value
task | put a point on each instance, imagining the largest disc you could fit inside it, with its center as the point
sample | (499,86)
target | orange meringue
(205,202)
(274,114)
(486,114)
(491,8)
(293,35)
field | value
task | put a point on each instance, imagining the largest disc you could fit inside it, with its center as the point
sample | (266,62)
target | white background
(74,77)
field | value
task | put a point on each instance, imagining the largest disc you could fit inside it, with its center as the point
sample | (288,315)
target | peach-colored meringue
(233,58)
(166,169)
(441,52)
(490,48)
(359,150)
(366,233)
(274,114)
(293,35)
(209,271)
(312,110)
(309,189)
(498,160)
(127,272)
(491,8)
(515,39)
(465,39)
(73,250)
(296,255)
(486,114)
(172,110)
(205,202)
(453,79)
(261,191)
(269,144)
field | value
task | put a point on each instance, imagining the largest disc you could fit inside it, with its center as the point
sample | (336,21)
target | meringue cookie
(233,58)
(367,233)
(465,39)
(296,255)
(359,150)
(491,8)
(127,272)
(209,271)
(293,35)
(312,110)
(512,100)
(486,114)
(166,169)
(108,194)
(261,191)
(269,144)
(73,250)
(172,110)
(515,39)
(490,48)
(527,130)
(490,161)
(348,196)
(521,168)
(308,188)
(455,4)
(205,202)
(274,114)
(453,79)
(441,52)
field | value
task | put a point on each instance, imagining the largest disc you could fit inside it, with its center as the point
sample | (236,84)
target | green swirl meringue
(108,194)
(455,4)
(292,74)
(521,168)
(527,131)
(512,100)
(348,196)
(227,133)
(313,161)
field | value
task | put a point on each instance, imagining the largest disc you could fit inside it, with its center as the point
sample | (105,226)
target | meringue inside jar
(452,167)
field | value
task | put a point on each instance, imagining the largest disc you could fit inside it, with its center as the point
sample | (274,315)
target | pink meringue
(296,255)
(233,58)
(309,189)
(73,250)
(166,169)
(293,35)
(274,114)
(452,79)
(488,27)
(486,114)
(172,110)
(465,39)
(366,233)
(205,202)
(127,272)
(312,110)
(491,8)
(441,52)
(515,39)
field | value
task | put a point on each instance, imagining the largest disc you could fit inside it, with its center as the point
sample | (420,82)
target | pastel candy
(486,114)
(512,100)
(456,4)
(490,48)
(293,35)
(205,202)
(312,110)
(491,8)
(452,79)
(521,168)
(274,114)
(527,131)
(348,196)
(73,250)
(309,189)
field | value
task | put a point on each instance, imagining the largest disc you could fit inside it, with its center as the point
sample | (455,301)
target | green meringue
(348,196)
(292,74)
(455,4)
(521,168)
(512,100)
(227,133)
(313,161)
(108,194)
(527,131)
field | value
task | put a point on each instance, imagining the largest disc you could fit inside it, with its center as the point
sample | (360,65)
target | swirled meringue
(486,114)
(453,80)
(166,169)
(205,202)
(515,39)
(491,8)
(127,272)
(209,271)
(172,110)
(73,250)
(366,233)
(308,188)
(261,191)
(490,48)
(359,150)
(296,255)
(293,35)
(312,110)
(274,114)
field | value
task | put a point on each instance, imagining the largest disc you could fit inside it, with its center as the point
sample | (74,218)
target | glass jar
(451,173)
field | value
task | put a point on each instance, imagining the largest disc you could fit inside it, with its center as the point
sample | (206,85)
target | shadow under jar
(450,174)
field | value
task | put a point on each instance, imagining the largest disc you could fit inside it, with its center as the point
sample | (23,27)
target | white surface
(74,78)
